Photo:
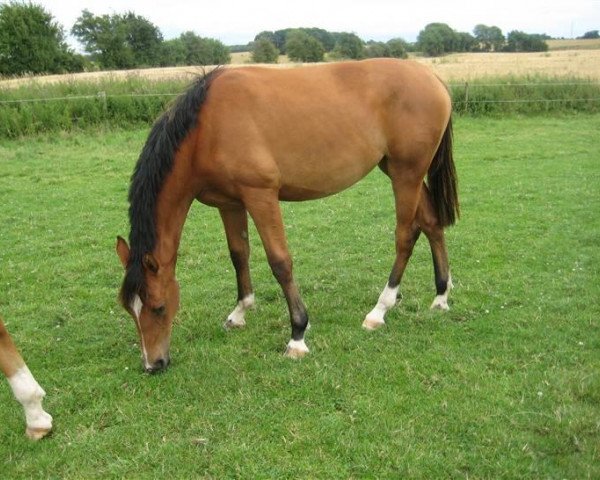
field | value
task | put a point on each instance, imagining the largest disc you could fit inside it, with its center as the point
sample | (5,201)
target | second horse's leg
(235,221)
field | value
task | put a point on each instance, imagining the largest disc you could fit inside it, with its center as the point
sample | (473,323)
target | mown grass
(505,385)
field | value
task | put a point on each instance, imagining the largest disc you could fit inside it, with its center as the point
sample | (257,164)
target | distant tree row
(438,39)
(311,45)
(32,42)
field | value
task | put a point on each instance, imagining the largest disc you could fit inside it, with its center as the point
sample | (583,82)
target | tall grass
(115,102)
(530,95)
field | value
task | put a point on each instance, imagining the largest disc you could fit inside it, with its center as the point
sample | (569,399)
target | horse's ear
(150,263)
(123,251)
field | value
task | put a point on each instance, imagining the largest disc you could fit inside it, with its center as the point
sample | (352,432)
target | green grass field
(505,385)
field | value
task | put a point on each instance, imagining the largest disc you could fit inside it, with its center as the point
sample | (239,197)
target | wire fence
(468,88)
(88,108)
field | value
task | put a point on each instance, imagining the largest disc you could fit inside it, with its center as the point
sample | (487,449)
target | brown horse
(243,139)
(26,390)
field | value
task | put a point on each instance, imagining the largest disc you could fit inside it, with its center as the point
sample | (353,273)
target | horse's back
(316,130)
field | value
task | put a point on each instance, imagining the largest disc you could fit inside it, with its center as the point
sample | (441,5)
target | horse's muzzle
(159,365)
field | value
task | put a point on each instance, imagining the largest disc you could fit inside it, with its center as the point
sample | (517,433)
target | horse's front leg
(263,206)
(26,390)
(235,221)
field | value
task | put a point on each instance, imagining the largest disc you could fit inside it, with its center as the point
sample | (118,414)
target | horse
(244,139)
(25,388)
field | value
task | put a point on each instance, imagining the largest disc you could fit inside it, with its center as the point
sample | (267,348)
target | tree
(376,50)
(518,41)
(349,45)
(32,42)
(464,42)
(264,51)
(398,48)
(143,38)
(119,41)
(172,53)
(437,39)
(590,35)
(302,47)
(489,38)
(204,51)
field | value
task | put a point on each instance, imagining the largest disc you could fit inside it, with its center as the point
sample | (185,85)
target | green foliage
(264,51)
(437,39)
(395,48)
(279,38)
(32,42)
(592,34)
(489,39)
(398,48)
(204,51)
(173,53)
(119,41)
(349,46)
(302,47)
(505,385)
(517,41)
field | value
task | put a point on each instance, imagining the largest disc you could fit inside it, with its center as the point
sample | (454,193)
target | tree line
(31,41)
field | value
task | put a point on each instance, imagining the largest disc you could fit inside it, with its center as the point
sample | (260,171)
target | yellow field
(582,63)
(559,63)
(574,44)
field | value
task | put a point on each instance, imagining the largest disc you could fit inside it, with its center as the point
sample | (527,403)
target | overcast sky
(237,22)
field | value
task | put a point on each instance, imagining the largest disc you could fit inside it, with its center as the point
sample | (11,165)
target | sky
(237,22)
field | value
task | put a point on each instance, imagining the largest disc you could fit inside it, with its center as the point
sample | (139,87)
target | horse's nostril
(158,365)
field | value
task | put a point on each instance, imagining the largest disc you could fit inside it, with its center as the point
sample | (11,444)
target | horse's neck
(172,211)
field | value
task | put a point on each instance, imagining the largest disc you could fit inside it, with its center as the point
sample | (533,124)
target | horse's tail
(442,181)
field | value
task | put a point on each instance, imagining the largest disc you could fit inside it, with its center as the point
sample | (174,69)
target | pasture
(505,385)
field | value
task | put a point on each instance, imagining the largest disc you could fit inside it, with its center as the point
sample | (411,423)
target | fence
(20,116)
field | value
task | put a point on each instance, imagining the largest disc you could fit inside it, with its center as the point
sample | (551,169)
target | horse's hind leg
(429,224)
(235,221)
(26,390)
(407,187)
(263,206)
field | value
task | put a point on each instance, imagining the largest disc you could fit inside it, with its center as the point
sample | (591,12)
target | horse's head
(153,307)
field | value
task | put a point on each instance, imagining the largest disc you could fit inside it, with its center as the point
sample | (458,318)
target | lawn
(505,385)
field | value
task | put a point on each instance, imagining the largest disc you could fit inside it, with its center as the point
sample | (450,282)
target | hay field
(455,67)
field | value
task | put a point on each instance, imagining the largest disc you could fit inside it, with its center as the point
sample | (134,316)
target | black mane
(152,168)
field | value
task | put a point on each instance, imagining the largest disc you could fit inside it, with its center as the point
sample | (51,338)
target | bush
(302,47)
(264,51)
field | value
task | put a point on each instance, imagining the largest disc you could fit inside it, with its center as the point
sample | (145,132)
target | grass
(505,385)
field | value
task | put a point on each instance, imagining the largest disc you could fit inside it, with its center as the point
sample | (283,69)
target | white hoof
(39,422)
(440,303)
(233,322)
(371,323)
(296,349)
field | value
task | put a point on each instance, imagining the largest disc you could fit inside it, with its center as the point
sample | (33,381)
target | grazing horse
(26,390)
(243,139)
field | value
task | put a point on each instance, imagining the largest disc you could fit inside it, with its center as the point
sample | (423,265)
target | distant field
(574,44)
(580,63)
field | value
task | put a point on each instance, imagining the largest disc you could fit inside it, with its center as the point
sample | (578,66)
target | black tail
(442,181)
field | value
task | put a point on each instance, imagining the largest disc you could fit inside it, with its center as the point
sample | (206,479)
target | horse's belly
(314,180)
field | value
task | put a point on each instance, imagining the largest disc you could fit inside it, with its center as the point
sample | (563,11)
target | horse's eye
(159,311)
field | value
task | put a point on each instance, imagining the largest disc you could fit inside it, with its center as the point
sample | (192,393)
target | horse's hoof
(231,324)
(372,323)
(440,303)
(37,433)
(296,349)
